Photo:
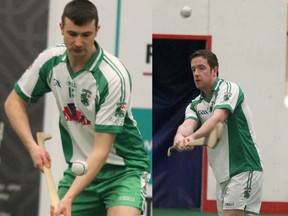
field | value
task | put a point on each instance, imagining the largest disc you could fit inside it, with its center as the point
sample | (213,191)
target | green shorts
(113,186)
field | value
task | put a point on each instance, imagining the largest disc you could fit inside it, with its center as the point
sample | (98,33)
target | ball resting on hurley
(79,167)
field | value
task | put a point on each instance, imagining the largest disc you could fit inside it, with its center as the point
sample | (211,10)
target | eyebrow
(199,65)
(74,32)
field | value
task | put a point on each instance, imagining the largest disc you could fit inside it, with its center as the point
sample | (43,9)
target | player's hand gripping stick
(211,140)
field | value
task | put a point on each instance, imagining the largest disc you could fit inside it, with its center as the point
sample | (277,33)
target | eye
(86,34)
(72,34)
(202,68)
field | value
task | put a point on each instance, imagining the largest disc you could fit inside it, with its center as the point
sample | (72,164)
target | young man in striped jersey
(235,161)
(92,89)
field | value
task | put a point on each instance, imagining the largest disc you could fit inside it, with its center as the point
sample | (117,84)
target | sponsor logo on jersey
(56,83)
(202,112)
(86,97)
(71,113)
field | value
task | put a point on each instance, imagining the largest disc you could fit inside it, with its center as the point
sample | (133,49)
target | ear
(61,28)
(96,30)
(215,71)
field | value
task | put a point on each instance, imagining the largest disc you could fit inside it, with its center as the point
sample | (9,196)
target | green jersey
(236,151)
(97,98)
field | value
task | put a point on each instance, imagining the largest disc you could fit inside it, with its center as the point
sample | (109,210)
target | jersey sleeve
(190,113)
(33,83)
(229,96)
(115,100)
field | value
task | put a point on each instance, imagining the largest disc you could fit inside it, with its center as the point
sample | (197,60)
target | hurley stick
(41,138)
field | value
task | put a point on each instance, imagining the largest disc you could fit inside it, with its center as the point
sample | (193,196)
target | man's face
(79,40)
(204,76)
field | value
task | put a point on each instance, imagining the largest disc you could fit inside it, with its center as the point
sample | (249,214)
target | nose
(196,72)
(78,41)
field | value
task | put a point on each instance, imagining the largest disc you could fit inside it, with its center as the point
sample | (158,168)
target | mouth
(77,50)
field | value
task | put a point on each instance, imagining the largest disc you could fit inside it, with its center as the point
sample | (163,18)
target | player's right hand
(40,157)
(181,143)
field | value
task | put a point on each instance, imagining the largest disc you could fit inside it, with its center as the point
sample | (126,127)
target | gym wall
(23,34)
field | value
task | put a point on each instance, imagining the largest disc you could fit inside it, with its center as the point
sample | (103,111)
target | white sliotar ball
(186,11)
(79,167)
(286,101)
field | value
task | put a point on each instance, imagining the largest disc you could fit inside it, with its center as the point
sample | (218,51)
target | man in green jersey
(235,161)
(92,89)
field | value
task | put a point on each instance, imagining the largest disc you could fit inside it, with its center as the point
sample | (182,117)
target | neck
(206,93)
(208,89)
(78,63)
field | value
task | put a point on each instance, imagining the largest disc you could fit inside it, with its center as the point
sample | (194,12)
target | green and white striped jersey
(97,98)
(236,151)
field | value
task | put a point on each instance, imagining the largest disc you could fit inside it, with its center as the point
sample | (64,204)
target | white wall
(249,38)
(134,36)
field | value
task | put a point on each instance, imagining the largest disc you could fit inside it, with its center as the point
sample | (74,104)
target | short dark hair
(80,12)
(210,56)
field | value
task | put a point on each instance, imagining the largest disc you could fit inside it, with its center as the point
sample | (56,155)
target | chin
(78,54)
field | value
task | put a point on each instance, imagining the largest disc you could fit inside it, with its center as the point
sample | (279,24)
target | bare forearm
(15,110)
(219,115)
(95,160)
(205,129)
(184,131)
(187,128)
(95,163)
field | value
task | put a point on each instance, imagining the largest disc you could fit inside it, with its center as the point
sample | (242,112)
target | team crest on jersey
(212,106)
(86,97)
(120,112)
(227,96)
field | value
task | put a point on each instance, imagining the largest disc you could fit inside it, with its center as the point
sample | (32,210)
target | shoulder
(223,83)
(228,86)
(57,51)
(112,67)
(112,61)
(195,102)
(229,89)
(197,99)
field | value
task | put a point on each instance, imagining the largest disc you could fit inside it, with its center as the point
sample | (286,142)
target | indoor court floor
(178,212)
